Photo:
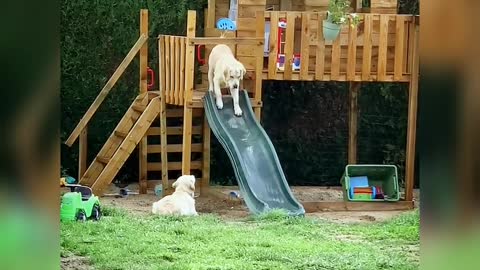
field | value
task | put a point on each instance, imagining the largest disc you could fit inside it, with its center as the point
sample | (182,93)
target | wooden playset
(275,40)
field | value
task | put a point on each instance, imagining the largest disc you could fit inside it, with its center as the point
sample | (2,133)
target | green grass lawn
(126,241)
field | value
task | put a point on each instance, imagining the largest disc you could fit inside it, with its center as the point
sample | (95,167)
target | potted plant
(337,15)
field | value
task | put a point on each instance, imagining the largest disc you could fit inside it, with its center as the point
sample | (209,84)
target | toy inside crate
(370,183)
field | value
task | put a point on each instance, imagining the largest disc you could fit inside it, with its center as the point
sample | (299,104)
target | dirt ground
(234,209)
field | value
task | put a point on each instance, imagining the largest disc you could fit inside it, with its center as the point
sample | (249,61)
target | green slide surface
(254,159)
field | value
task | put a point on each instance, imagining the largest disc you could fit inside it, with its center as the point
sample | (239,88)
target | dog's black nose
(235,86)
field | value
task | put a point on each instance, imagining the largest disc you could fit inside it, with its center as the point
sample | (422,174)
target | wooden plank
(177,70)
(162,130)
(82,153)
(211,14)
(142,165)
(168,69)
(151,183)
(257,95)
(139,107)
(173,67)
(174,166)
(341,78)
(226,41)
(103,160)
(382,48)
(353,123)
(251,2)
(352,53)
(399,47)
(273,49)
(182,69)
(106,89)
(205,157)
(127,147)
(155,131)
(412,115)
(285,5)
(305,45)
(161,67)
(143,51)
(335,67)
(142,146)
(367,48)
(187,114)
(320,52)
(311,207)
(289,39)
(172,148)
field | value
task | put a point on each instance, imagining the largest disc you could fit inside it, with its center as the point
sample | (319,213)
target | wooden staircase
(121,143)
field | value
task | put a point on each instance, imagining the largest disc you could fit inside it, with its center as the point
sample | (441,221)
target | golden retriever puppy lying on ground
(181,202)
(225,71)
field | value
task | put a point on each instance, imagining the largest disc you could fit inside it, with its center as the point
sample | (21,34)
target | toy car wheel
(96,213)
(81,216)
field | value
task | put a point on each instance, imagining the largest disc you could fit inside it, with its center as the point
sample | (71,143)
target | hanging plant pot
(331,30)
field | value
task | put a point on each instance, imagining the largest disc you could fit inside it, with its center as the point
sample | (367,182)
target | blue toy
(226,24)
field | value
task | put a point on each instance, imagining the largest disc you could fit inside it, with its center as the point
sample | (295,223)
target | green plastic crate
(384,176)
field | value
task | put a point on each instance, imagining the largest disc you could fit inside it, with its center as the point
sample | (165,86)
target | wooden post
(163,116)
(205,185)
(187,109)
(353,122)
(211,14)
(412,115)
(82,153)
(260,32)
(142,147)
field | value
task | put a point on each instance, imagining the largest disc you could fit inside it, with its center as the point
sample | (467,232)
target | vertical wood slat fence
(172,77)
(374,50)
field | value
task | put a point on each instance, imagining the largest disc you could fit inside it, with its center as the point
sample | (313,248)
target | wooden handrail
(106,89)
(234,41)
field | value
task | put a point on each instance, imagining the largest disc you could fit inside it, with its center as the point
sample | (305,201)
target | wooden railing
(140,47)
(172,53)
(174,66)
(378,49)
(105,90)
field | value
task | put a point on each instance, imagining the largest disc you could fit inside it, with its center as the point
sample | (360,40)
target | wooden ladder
(121,143)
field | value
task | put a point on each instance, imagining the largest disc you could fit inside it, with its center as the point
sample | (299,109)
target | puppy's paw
(238,111)
(219,104)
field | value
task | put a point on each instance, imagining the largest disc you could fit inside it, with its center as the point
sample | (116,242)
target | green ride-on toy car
(79,204)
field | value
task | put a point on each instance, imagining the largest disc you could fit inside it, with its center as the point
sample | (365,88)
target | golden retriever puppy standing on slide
(181,202)
(225,71)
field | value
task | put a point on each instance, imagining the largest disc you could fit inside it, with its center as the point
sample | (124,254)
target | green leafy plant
(338,13)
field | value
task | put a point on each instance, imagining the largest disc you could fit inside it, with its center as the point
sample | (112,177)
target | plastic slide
(257,168)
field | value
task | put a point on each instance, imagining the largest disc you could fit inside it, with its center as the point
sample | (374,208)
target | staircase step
(120,134)
(139,107)
(103,160)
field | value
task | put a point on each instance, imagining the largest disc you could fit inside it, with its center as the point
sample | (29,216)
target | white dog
(225,71)
(181,202)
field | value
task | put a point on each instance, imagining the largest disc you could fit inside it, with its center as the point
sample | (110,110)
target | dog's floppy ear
(243,71)
(192,183)
(175,184)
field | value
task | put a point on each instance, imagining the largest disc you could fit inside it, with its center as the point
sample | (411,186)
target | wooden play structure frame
(383,48)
